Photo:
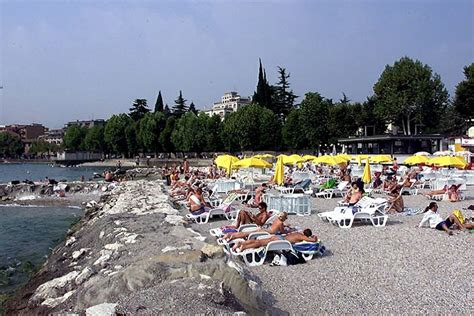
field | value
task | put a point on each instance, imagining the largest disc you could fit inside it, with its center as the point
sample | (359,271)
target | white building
(230,102)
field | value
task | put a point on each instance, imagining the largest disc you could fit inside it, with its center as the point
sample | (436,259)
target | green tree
(314,114)
(150,128)
(114,133)
(408,93)
(159,107)
(139,109)
(214,131)
(284,98)
(464,97)
(94,140)
(131,139)
(165,136)
(74,137)
(263,96)
(180,107)
(192,108)
(252,127)
(167,111)
(10,145)
(292,131)
(341,122)
(187,136)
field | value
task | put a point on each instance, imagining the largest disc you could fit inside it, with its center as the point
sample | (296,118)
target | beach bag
(293,257)
(459,216)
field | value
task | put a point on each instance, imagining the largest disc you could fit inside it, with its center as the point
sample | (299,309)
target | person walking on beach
(185,165)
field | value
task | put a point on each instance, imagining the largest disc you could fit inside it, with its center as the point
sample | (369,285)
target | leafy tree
(10,145)
(407,92)
(139,109)
(214,131)
(314,114)
(341,122)
(251,128)
(165,136)
(284,98)
(192,108)
(74,137)
(40,147)
(364,115)
(345,99)
(464,97)
(159,107)
(131,139)
(114,133)
(150,128)
(187,135)
(292,132)
(180,107)
(264,94)
(94,140)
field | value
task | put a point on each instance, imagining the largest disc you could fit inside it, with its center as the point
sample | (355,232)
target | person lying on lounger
(435,220)
(293,238)
(278,227)
(246,217)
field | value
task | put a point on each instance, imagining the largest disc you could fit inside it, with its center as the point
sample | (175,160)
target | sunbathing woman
(197,205)
(435,220)
(278,227)
(354,194)
(293,238)
(395,201)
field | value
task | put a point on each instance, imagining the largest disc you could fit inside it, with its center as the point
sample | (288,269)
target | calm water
(27,236)
(36,172)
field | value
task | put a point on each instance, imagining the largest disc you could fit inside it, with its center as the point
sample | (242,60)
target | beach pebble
(70,241)
(85,274)
(104,309)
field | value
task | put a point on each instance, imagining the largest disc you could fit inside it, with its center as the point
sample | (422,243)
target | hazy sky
(68,60)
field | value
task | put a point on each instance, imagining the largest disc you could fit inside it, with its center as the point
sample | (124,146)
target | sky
(84,59)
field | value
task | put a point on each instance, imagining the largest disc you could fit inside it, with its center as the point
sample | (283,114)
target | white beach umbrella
(442,153)
(422,153)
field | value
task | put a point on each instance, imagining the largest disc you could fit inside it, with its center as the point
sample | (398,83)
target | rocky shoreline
(133,253)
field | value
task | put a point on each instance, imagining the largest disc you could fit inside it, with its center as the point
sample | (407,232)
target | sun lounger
(309,249)
(339,190)
(219,232)
(373,214)
(364,202)
(256,257)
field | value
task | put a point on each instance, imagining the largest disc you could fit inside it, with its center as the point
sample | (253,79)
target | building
(53,136)
(87,124)
(393,144)
(230,102)
(25,132)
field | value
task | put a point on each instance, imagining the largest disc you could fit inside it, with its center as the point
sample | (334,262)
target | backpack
(293,257)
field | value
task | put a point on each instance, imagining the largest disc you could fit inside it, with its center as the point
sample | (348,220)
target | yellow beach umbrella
(330,160)
(225,162)
(263,156)
(252,163)
(416,160)
(279,176)
(346,157)
(308,157)
(380,158)
(448,161)
(366,176)
(296,158)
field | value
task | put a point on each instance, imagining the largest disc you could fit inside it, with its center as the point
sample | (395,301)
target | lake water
(27,236)
(37,172)
(29,233)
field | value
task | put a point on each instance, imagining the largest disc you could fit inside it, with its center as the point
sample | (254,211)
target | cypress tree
(264,94)
(159,103)
(179,107)
(167,111)
(284,97)
(192,108)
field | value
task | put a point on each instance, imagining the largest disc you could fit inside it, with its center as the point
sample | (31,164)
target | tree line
(407,94)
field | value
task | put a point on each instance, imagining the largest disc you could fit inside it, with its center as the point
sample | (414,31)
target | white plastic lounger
(364,202)
(367,214)
(339,190)
(256,257)
(309,249)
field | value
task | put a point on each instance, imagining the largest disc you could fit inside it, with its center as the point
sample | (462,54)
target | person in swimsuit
(293,238)
(246,217)
(278,227)
(196,202)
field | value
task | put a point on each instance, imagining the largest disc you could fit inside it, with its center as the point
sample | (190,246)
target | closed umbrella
(366,176)
(279,176)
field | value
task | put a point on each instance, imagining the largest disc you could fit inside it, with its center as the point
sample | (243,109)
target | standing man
(185,165)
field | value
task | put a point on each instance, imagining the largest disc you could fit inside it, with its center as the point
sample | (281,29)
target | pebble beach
(393,269)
